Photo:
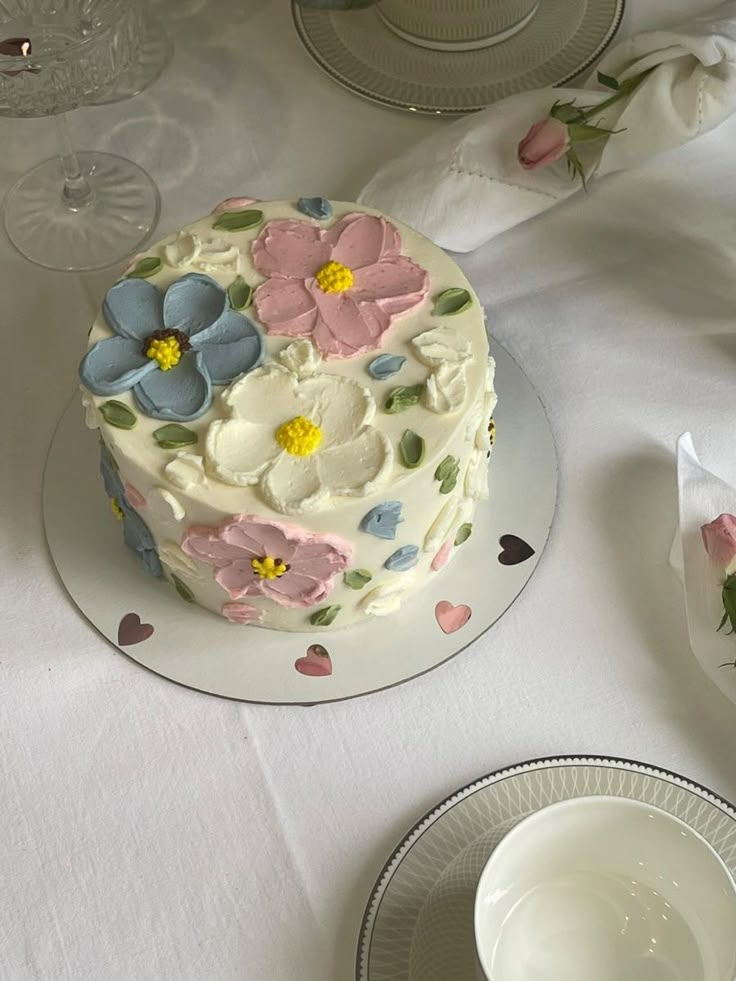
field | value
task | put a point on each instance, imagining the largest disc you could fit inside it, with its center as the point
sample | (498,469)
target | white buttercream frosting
(190,251)
(186,470)
(387,597)
(177,561)
(445,389)
(163,504)
(442,346)
(91,418)
(301,357)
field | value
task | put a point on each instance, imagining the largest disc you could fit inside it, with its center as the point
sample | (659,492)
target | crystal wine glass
(80,210)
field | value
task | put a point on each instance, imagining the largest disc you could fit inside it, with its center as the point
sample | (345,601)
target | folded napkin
(464,184)
(703,498)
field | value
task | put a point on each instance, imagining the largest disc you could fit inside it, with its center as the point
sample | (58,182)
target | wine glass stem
(77,193)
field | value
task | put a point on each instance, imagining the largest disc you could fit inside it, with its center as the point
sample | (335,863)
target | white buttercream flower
(189,250)
(302,441)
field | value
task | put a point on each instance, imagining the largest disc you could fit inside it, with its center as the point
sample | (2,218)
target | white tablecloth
(152,833)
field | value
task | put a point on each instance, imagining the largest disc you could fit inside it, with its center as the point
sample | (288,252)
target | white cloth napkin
(463,185)
(702,497)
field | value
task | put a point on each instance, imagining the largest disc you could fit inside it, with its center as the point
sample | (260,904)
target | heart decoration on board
(316,664)
(513,550)
(132,631)
(451,618)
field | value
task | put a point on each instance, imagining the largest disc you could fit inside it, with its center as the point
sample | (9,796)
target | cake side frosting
(294,401)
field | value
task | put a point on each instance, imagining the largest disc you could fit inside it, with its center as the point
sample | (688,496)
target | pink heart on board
(132,631)
(316,664)
(451,618)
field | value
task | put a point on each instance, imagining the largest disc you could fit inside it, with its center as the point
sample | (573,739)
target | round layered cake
(295,405)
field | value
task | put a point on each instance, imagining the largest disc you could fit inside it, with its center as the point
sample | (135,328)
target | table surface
(153,833)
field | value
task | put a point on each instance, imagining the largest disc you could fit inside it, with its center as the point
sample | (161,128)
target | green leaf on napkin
(608,80)
(728,595)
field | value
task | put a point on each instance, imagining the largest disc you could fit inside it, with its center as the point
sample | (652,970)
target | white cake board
(200,650)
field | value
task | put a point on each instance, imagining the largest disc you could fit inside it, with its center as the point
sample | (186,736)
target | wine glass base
(121,215)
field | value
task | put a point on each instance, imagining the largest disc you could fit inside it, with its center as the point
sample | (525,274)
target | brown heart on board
(132,631)
(513,550)
(316,664)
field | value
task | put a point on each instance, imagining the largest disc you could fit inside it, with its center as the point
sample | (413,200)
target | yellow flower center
(299,436)
(333,277)
(268,567)
(116,509)
(165,350)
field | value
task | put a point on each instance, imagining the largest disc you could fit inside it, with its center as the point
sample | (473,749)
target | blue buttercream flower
(135,530)
(171,348)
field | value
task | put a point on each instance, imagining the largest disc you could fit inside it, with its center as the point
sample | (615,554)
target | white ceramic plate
(418,925)
(358,50)
(195,648)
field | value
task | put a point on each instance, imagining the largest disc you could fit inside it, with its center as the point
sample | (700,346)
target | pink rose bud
(545,142)
(719,538)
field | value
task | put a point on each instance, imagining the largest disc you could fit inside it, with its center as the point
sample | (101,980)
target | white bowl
(605,889)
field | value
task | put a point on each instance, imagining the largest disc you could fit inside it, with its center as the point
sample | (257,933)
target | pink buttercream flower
(241,612)
(546,142)
(134,496)
(233,204)
(257,557)
(440,559)
(719,538)
(342,286)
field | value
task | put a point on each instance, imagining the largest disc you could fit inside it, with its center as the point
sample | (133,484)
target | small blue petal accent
(135,530)
(381,521)
(319,208)
(386,365)
(402,559)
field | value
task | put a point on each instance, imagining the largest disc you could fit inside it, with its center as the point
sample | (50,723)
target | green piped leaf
(238,221)
(325,616)
(452,301)
(144,268)
(402,398)
(357,578)
(447,473)
(118,414)
(411,449)
(182,589)
(173,436)
(463,533)
(239,294)
(448,466)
